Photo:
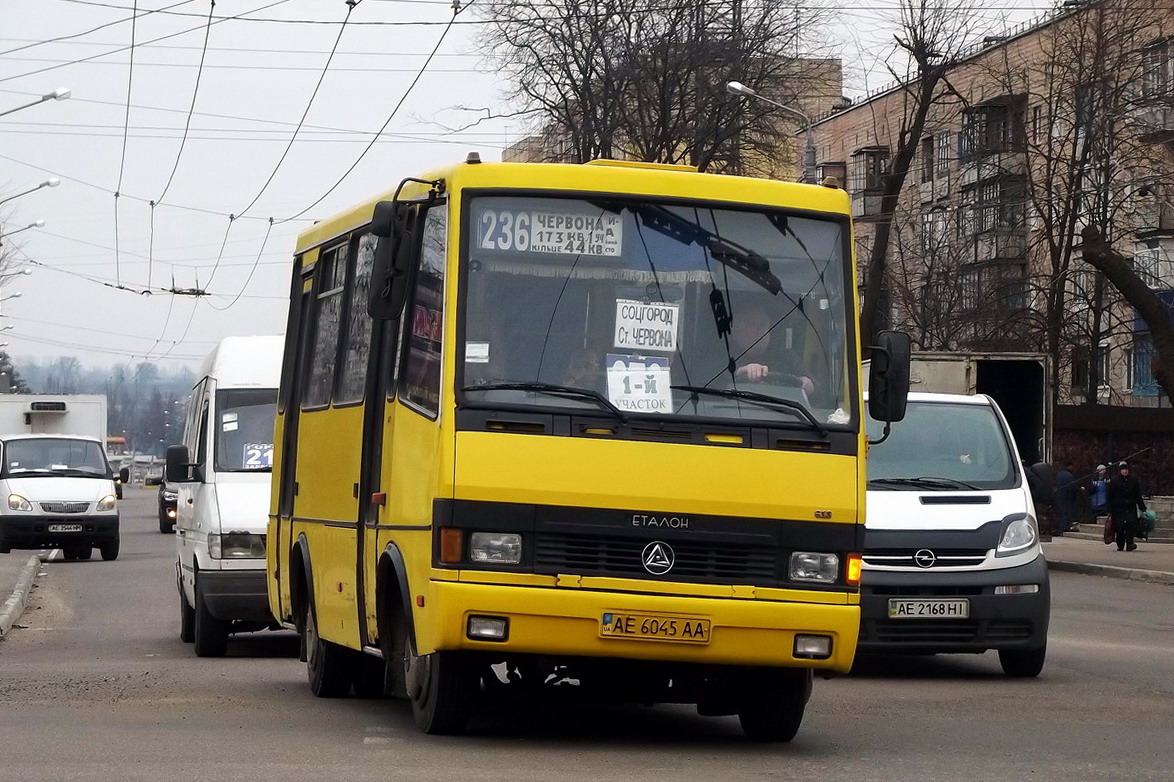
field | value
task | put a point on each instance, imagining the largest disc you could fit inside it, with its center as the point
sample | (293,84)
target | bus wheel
(441,686)
(370,677)
(773,702)
(326,662)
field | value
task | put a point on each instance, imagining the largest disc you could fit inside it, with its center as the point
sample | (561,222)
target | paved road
(99,687)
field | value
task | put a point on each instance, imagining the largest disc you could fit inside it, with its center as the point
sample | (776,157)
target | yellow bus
(592,426)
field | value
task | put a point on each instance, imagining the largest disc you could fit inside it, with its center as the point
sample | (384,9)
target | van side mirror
(1039,483)
(179,467)
(124,475)
(888,377)
(395,223)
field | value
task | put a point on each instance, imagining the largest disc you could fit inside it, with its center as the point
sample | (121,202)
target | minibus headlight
(1018,535)
(16,502)
(236,545)
(495,548)
(106,503)
(814,566)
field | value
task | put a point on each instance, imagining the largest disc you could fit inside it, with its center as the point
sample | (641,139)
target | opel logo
(658,558)
(924,558)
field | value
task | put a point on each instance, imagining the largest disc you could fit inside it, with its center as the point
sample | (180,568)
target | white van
(58,492)
(952,556)
(221,473)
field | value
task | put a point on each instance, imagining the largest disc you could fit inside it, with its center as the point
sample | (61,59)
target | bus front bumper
(569,622)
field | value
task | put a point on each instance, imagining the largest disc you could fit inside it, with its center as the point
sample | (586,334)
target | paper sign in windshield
(258,456)
(639,384)
(641,326)
(550,232)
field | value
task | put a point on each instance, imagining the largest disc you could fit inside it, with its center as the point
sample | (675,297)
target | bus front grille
(613,555)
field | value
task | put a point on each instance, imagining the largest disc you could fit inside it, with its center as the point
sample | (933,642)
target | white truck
(56,484)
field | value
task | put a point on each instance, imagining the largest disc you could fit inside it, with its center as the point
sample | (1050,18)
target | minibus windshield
(54,456)
(942,447)
(630,307)
(244,429)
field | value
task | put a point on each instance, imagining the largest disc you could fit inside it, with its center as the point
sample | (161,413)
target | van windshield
(244,429)
(658,309)
(942,447)
(54,456)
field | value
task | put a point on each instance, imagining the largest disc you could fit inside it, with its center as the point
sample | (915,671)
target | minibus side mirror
(124,475)
(179,467)
(395,224)
(1039,483)
(888,380)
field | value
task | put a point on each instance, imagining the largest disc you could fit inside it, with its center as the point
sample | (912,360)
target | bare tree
(645,79)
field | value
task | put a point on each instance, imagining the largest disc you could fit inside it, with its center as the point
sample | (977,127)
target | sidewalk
(16,579)
(1152,562)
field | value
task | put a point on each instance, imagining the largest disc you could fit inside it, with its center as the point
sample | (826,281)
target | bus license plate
(929,609)
(65,527)
(654,627)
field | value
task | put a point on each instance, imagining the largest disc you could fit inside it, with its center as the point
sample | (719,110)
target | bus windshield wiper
(762,400)
(556,390)
(925,482)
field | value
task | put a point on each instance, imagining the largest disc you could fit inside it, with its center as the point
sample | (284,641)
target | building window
(1153,266)
(1104,365)
(927,159)
(935,230)
(993,204)
(868,169)
(942,158)
(1141,379)
(1037,121)
(989,129)
(1157,77)
(1079,377)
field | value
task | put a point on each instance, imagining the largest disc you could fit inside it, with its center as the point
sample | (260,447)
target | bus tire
(441,687)
(187,620)
(210,635)
(327,663)
(1023,663)
(370,677)
(773,702)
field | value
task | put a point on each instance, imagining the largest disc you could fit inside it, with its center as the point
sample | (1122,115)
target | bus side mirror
(394,222)
(888,377)
(179,468)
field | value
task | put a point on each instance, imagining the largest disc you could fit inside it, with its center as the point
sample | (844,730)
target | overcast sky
(259,72)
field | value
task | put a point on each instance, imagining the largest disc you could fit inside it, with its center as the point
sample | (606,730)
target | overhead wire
(130,76)
(72,36)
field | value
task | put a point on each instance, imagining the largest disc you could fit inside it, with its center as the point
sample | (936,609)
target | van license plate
(65,527)
(929,609)
(654,627)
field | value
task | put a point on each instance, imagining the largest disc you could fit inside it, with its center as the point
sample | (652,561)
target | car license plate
(654,627)
(65,527)
(958,608)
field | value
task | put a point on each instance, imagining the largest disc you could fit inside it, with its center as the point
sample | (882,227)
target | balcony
(866,203)
(1003,163)
(1001,244)
(1155,122)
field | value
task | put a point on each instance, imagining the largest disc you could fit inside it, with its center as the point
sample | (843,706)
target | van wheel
(1023,664)
(441,687)
(5,548)
(109,550)
(210,634)
(69,553)
(187,620)
(166,526)
(85,552)
(773,702)
(327,663)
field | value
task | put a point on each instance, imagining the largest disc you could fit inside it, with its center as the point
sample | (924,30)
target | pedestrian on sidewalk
(1067,497)
(1098,487)
(1124,495)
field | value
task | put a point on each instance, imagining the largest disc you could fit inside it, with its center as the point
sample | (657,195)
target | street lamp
(738,88)
(19,273)
(51,182)
(16,295)
(35,224)
(61,93)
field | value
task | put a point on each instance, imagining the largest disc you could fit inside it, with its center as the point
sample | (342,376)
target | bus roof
(599,176)
(245,362)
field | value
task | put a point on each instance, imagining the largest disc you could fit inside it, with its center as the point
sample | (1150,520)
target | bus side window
(356,336)
(326,326)
(424,319)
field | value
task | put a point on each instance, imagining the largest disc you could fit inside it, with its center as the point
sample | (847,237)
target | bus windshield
(244,429)
(645,308)
(942,447)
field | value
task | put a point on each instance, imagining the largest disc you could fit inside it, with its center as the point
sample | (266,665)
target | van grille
(65,507)
(944,557)
(930,632)
(615,555)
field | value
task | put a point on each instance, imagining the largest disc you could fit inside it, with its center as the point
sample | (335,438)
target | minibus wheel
(210,634)
(109,550)
(1023,663)
(85,552)
(187,620)
(773,702)
(441,686)
(326,662)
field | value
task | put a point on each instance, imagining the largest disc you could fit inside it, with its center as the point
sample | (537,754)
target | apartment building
(1036,133)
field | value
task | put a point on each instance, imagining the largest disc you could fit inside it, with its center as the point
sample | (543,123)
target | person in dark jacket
(1124,495)
(1067,497)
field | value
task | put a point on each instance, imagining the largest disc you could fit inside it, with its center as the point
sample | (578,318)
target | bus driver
(750,340)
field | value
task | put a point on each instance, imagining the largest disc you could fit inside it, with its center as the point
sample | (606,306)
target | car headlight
(170,496)
(236,545)
(16,502)
(106,503)
(1018,535)
(814,566)
(495,548)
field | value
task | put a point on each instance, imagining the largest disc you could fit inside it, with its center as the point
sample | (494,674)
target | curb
(14,606)
(1109,571)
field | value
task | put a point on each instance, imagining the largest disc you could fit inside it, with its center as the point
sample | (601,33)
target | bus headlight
(1018,535)
(495,548)
(16,502)
(814,566)
(236,545)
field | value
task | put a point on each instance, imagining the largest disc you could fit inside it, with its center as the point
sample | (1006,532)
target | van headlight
(495,548)
(236,545)
(106,503)
(16,502)
(1018,535)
